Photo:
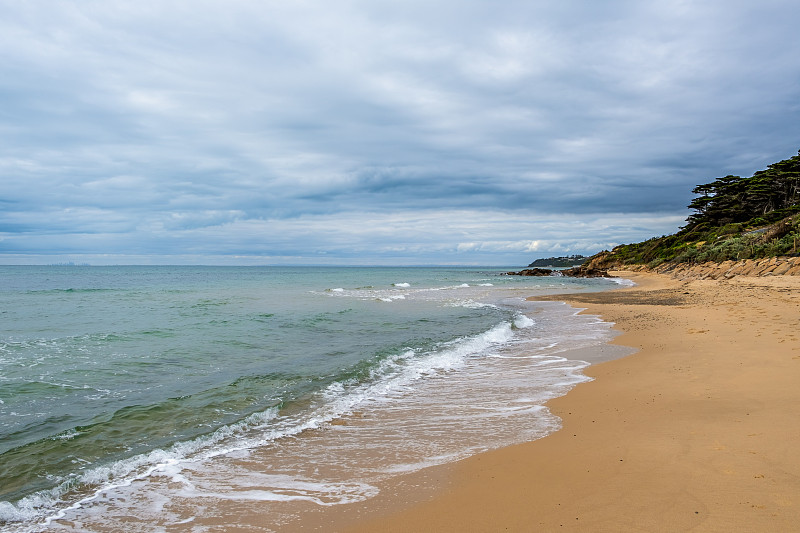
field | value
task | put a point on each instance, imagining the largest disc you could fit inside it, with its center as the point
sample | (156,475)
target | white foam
(469,304)
(279,488)
(522,321)
(391,298)
(18,513)
(397,374)
(401,284)
(65,435)
(123,473)
(431,461)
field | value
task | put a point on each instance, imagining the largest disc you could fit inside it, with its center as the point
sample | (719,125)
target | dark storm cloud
(412,132)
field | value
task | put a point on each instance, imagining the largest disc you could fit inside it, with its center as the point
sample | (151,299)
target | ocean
(177,398)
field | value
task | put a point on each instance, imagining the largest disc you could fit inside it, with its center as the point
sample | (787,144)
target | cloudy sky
(375,131)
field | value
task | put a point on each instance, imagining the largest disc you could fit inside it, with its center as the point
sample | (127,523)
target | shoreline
(695,431)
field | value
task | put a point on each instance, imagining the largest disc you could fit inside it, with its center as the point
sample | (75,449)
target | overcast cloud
(378,132)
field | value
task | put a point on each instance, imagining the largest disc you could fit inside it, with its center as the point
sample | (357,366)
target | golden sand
(697,431)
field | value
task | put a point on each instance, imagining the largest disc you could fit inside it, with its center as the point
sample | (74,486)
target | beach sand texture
(697,431)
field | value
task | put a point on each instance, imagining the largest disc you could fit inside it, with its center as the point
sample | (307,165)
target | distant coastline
(559,262)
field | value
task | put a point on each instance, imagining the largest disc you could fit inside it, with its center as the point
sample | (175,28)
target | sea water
(149,398)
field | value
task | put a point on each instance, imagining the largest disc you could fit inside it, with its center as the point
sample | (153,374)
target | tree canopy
(769,194)
(735,218)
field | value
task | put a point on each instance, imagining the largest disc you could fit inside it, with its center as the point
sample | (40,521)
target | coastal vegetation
(735,218)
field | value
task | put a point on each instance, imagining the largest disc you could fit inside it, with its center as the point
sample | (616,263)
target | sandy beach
(697,431)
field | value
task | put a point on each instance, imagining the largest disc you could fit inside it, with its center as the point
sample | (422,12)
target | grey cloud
(171,126)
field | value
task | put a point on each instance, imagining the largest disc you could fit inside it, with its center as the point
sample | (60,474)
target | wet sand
(697,431)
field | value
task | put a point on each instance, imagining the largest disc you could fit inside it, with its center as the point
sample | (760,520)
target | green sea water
(109,373)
